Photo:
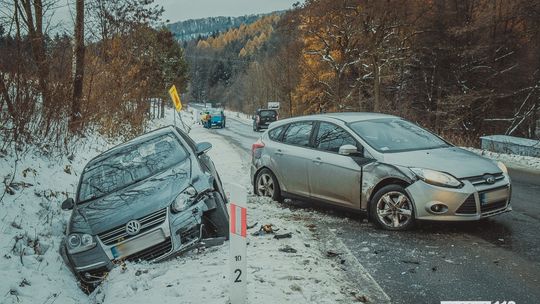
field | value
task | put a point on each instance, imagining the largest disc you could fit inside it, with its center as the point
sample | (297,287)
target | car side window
(298,134)
(275,134)
(331,137)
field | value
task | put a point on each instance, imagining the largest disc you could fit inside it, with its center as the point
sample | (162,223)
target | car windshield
(396,135)
(268,113)
(130,165)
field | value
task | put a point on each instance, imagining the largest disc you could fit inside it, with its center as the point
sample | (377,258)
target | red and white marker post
(237,246)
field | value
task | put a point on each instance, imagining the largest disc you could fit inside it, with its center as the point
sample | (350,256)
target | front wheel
(266,184)
(392,209)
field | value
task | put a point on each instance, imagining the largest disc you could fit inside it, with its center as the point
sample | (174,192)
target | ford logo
(490,179)
(133,227)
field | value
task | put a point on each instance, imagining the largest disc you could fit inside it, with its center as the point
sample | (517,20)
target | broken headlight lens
(436,178)
(79,242)
(184,200)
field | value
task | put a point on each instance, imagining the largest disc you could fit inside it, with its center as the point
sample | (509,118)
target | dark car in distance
(263,118)
(145,200)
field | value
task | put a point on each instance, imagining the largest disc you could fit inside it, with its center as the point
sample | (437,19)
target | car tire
(267,185)
(219,218)
(392,209)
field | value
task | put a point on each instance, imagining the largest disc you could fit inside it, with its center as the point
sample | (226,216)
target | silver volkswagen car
(145,200)
(389,167)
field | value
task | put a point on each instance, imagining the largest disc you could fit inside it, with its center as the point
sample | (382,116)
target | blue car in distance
(217,119)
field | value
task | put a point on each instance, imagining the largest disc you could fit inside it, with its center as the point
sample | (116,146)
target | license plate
(137,244)
(487,198)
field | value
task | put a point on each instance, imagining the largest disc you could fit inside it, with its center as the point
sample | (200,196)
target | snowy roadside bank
(293,269)
(510,160)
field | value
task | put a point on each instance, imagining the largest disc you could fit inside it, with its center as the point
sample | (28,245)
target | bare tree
(78,77)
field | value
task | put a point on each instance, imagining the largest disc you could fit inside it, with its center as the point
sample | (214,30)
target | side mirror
(203,147)
(68,204)
(348,150)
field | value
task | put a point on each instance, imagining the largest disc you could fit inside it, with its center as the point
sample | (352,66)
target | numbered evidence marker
(237,247)
(175,98)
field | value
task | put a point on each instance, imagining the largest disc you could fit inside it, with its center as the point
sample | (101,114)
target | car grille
(152,253)
(119,233)
(493,206)
(480,180)
(468,207)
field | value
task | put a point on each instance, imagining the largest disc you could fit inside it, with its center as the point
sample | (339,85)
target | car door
(333,177)
(291,158)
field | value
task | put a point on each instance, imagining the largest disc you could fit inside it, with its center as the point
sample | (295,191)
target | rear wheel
(392,209)
(266,185)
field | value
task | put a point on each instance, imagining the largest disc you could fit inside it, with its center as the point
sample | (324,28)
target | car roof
(346,117)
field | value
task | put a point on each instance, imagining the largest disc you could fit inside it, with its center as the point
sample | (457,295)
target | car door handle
(279,152)
(317,160)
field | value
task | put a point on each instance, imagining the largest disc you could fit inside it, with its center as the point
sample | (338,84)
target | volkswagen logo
(133,227)
(490,179)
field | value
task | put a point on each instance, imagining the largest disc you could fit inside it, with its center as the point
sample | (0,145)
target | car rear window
(268,113)
(298,134)
(129,165)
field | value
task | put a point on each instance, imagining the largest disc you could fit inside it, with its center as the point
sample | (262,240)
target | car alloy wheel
(393,208)
(267,185)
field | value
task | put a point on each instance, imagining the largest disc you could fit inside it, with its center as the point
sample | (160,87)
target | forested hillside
(459,67)
(206,27)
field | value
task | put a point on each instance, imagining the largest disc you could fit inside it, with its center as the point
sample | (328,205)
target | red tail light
(255,148)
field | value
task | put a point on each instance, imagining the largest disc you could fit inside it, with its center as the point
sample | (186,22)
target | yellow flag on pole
(175,98)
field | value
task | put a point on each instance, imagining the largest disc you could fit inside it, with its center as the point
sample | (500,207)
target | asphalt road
(493,260)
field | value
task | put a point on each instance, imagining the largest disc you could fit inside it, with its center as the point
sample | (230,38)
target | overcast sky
(178,10)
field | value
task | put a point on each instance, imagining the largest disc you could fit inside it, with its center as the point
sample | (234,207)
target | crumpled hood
(143,198)
(458,162)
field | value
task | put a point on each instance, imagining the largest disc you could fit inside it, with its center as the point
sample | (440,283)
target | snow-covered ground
(510,160)
(289,270)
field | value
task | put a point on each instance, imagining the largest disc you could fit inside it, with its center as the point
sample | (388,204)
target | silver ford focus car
(389,167)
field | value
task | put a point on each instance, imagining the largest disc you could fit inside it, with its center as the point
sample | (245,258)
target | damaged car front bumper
(161,235)
(475,200)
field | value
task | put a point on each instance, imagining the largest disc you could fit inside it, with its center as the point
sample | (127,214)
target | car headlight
(79,242)
(184,200)
(502,167)
(436,178)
